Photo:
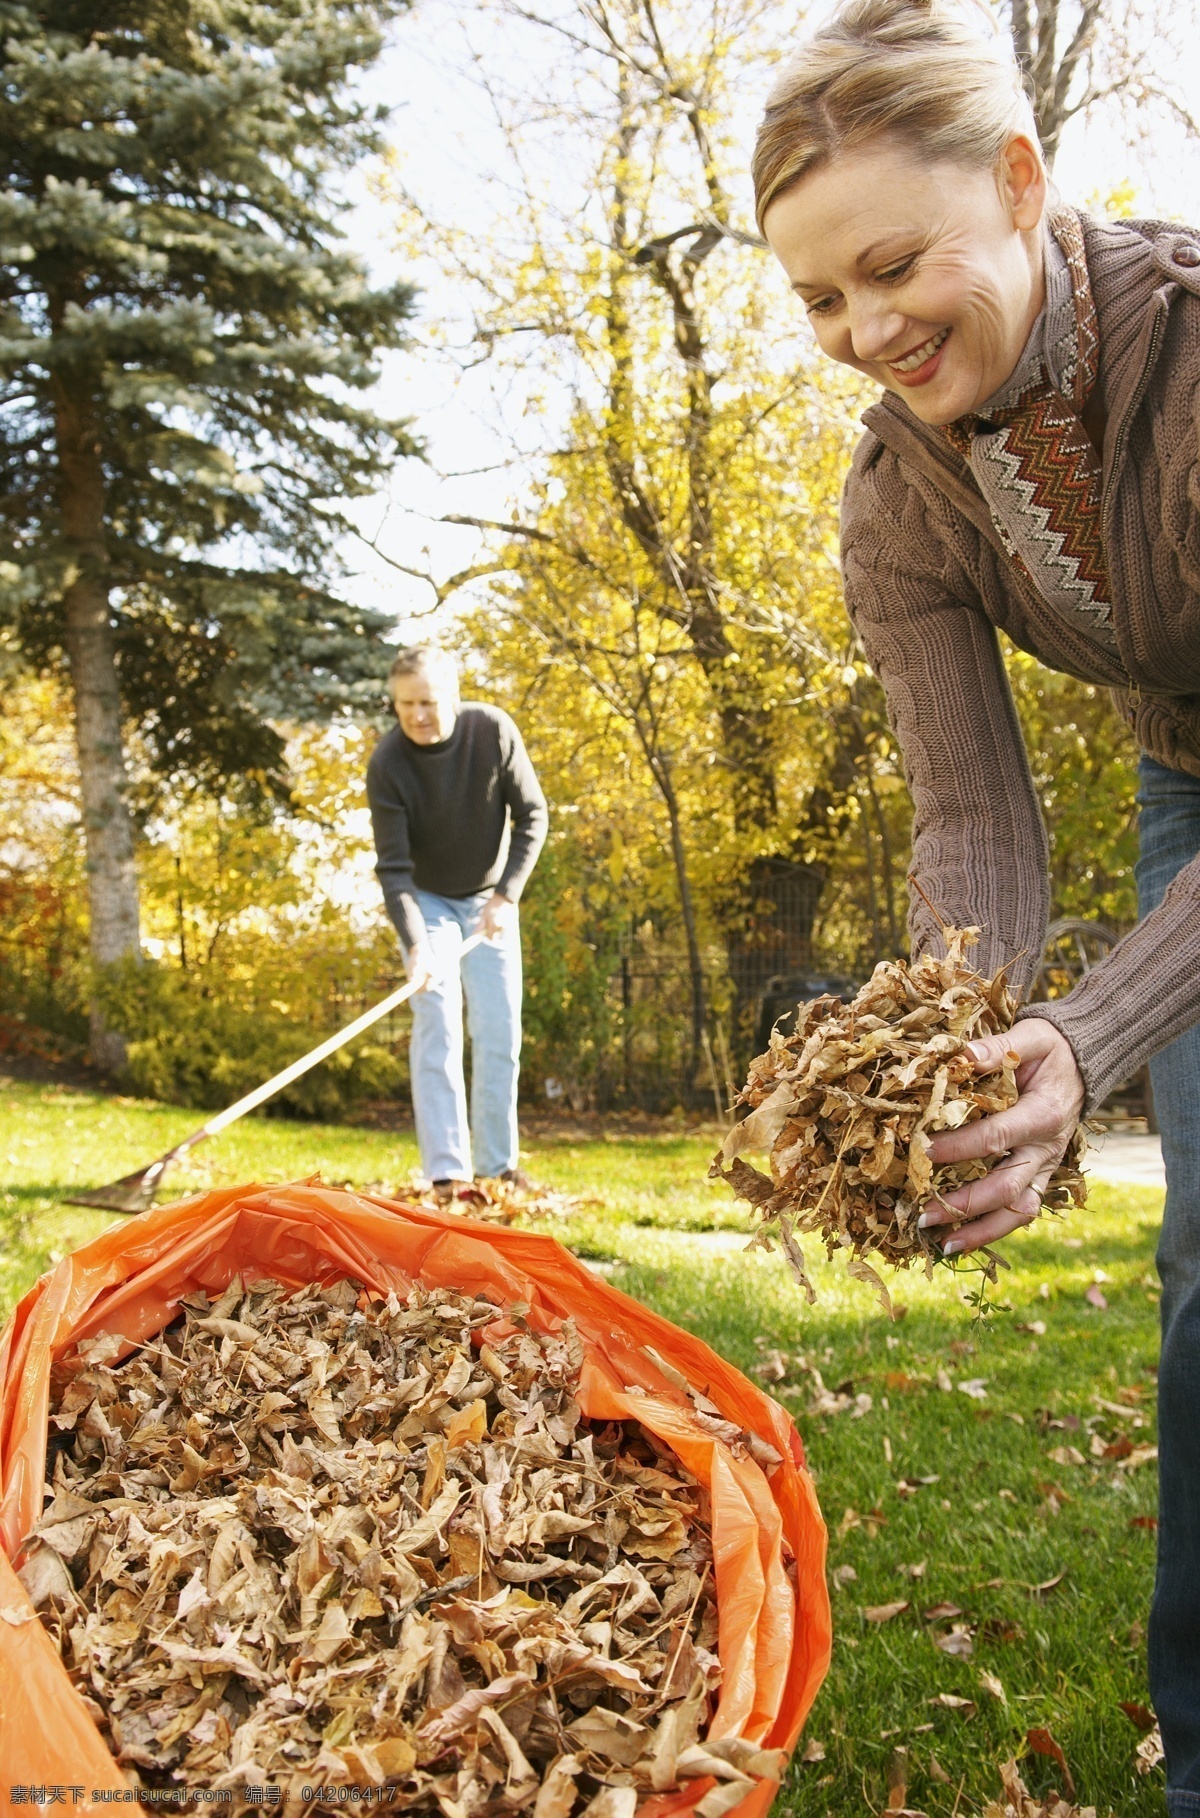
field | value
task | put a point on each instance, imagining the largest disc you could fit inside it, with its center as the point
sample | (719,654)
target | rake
(135,1192)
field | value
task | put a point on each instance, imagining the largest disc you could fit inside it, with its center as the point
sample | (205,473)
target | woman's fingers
(1030,1139)
(1051,1095)
(989,1230)
(986,1210)
(1030,1120)
(1007,1184)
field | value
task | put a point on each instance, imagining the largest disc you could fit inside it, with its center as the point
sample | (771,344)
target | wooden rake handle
(321,1052)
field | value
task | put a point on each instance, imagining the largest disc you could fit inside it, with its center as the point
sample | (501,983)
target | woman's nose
(875,331)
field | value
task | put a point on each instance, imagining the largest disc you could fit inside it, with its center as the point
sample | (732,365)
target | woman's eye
(821,306)
(896,274)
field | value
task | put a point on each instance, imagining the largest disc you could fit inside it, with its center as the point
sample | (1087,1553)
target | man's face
(426,705)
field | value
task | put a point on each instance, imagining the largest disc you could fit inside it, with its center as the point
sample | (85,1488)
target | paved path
(1133,1161)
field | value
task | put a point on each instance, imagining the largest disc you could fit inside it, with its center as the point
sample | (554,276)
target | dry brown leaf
(1149,1752)
(1019,1803)
(1043,1743)
(950,1701)
(957,1641)
(884,1612)
(1066,1455)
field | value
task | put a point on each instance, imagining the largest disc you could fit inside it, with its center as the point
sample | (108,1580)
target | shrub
(190,1046)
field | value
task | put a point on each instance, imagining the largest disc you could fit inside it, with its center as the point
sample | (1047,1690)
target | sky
(444,136)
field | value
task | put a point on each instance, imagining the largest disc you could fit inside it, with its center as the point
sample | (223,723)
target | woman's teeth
(919,355)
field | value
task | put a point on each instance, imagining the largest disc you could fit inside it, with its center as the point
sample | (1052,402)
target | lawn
(959,1469)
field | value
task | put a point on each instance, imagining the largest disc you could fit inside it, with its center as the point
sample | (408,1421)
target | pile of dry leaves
(503,1202)
(492,1200)
(847,1107)
(323,1538)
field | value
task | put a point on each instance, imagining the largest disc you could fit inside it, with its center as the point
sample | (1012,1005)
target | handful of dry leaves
(327,1539)
(847,1107)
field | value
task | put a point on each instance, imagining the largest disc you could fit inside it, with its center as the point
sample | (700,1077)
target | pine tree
(184,346)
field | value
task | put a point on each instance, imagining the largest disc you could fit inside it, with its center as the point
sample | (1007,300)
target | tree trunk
(661,772)
(91,652)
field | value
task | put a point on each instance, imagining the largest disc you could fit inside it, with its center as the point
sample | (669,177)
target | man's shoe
(444,1191)
(513,1177)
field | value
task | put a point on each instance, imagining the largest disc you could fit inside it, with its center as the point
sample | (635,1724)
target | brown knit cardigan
(927,582)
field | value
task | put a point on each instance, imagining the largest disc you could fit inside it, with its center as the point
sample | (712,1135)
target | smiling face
(925,277)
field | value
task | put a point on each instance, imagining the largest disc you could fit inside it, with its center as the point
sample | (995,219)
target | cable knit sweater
(927,583)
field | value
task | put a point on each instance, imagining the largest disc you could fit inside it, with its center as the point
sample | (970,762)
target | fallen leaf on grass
(956,1642)
(992,1685)
(1036,1326)
(1066,1455)
(1019,1802)
(897,1802)
(913,1571)
(1149,1522)
(1047,1585)
(1095,1298)
(842,1576)
(1139,1716)
(975,1387)
(1149,1752)
(1000,1628)
(909,1486)
(1140,1455)
(941,1612)
(937,1772)
(1043,1743)
(884,1612)
(813,1750)
(950,1701)
(1118,1448)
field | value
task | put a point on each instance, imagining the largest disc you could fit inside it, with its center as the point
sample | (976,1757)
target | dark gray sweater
(441,814)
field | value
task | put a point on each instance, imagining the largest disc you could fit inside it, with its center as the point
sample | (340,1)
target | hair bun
(939,75)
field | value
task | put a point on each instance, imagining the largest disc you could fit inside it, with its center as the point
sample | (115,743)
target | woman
(1033,465)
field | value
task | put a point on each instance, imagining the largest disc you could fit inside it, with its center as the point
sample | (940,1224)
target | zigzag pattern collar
(1033,460)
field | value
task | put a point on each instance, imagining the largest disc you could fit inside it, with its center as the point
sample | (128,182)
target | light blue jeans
(490,977)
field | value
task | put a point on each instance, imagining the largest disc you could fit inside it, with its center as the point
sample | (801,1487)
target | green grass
(1065,1660)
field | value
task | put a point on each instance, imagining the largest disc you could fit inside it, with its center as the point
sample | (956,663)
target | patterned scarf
(1031,456)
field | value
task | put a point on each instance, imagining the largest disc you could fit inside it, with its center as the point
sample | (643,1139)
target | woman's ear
(1023,182)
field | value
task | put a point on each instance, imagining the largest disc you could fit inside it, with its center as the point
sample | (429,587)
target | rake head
(132,1193)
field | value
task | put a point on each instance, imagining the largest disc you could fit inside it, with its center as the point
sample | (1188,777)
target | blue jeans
(1169,827)
(490,976)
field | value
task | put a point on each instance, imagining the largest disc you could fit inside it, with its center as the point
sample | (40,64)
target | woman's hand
(1032,1137)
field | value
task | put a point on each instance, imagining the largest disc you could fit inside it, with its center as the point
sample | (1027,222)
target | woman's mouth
(920,364)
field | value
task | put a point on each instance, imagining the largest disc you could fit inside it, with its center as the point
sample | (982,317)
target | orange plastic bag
(774,1624)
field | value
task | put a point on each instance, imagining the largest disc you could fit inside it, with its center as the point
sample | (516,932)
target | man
(459,819)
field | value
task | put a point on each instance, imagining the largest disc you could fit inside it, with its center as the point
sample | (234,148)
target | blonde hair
(939,75)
